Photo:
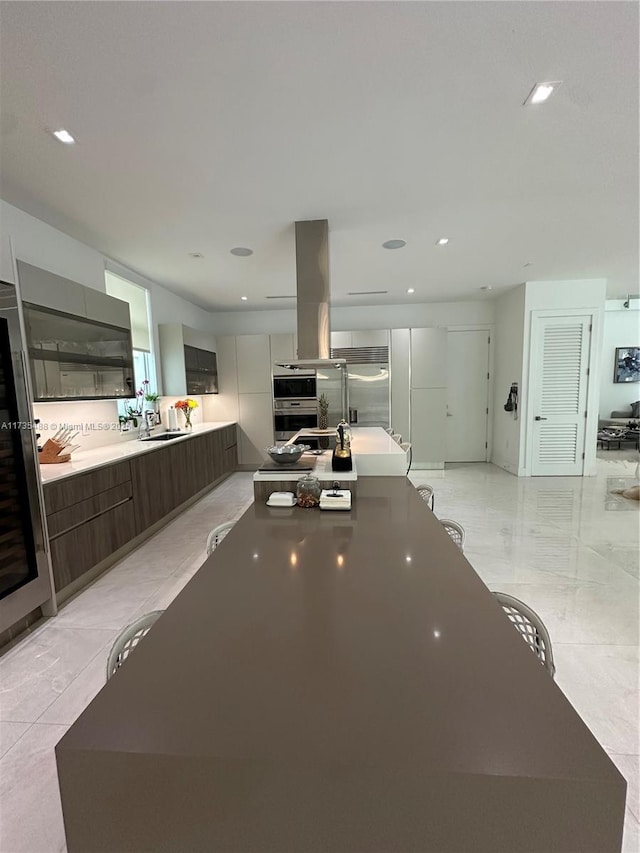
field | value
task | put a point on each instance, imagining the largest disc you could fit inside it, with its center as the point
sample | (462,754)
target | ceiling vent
(366,292)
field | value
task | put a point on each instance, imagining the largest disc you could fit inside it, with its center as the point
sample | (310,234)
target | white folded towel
(338,499)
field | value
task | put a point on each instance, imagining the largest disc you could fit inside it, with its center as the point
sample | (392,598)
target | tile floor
(565,545)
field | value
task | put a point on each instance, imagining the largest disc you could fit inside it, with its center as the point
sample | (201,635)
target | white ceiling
(203,126)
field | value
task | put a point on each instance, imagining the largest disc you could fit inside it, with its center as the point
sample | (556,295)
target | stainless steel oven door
(25,572)
(294,387)
(291,416)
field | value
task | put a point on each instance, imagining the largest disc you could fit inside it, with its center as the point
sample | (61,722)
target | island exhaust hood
(312,288)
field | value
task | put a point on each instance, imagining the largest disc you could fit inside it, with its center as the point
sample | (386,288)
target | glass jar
(308,491)
(347,435)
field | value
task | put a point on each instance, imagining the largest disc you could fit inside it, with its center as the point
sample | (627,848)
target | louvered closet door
(560,353)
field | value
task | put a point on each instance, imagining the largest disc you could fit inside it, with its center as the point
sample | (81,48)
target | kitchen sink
(166,436)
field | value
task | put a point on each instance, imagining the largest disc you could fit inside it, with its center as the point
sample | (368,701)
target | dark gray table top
(358,637)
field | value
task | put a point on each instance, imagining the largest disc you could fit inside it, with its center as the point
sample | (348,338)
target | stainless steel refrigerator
(368,393)
(369,396)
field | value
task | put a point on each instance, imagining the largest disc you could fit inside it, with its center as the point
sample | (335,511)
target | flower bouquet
(186,407)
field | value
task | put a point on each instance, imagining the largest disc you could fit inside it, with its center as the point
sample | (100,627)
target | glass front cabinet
(75,357)
(78,338)
(201,368)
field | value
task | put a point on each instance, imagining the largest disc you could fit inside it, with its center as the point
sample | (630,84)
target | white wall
(508,360)
(621,329)
(344,319)
(44,246)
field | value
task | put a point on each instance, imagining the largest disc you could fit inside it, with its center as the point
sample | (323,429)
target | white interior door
(560,348)
(467,396)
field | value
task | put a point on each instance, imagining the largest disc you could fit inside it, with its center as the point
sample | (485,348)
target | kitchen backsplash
(97,420)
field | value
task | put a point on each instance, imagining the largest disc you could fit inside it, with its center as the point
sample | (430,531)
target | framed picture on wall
(627,365)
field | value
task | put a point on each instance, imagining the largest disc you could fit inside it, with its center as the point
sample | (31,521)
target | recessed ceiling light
(394,244)
(411,290)
(244,298)
(241,252)
(196,255)
(541,92)
(64,136)
(486,287)
(442,241)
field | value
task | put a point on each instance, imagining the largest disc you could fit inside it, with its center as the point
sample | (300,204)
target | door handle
(538,418)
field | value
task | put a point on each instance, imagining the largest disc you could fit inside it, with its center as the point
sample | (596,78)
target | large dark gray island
(336,682)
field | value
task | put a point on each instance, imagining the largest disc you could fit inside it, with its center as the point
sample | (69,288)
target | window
(144,366)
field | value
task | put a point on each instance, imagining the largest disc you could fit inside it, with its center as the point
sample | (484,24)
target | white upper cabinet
(341,340)
(198,339)
(428,358)
(253,355)
(400,372)
(282,349)
(45,288)
(360,338)
(375,338)
(106,309)
(227,401)
(174,376)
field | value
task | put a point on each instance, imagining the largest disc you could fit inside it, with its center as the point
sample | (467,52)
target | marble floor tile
(628,766)
(71,702)
(542,558)
(106,604)
(631,837)
(34,673)
(31,810)
(601,682)
(143,564)
(627,558)
(168,590)
(11,733)
(584,614)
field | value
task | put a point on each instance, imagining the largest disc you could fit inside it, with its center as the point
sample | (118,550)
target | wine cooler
(25,576)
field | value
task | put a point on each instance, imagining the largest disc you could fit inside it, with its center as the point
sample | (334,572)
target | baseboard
(427,466)
(19,630)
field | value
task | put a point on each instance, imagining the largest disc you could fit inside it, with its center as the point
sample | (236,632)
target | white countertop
(322,470)
(86,460)
(375,453)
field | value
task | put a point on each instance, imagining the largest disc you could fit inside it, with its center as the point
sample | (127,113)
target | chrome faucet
(143,429)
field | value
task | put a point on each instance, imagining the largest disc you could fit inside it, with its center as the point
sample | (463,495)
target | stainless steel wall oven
(292,415)
(294,387)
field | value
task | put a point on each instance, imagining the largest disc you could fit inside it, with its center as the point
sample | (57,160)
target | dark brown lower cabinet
(82,487)
(92,515)
(152,487)
(75,552)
